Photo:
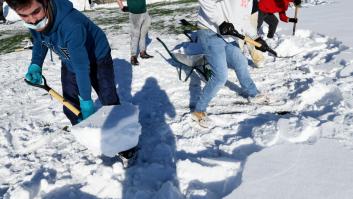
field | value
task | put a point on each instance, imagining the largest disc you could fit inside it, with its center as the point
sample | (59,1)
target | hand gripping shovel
(253,42)
(56,95)
(108,131)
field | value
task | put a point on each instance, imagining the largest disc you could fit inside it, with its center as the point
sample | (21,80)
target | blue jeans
(220,55)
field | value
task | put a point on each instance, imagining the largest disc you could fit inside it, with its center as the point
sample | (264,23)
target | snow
(81,4)
(298,171)
(335,15)
(110,130)
(299,147)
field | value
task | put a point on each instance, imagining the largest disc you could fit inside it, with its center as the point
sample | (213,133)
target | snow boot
(144,55)
(133,61)
(260,99)
(202,119)
(128,157)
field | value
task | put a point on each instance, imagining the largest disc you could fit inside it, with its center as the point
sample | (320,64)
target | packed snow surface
(299,146)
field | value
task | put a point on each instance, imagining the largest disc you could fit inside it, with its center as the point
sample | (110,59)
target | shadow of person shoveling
(155,167)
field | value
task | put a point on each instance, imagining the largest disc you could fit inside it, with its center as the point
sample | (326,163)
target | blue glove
(34,74)
(87,108)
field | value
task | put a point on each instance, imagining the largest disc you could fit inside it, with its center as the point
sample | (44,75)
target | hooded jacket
(274,6)
(213,12)
(75,39)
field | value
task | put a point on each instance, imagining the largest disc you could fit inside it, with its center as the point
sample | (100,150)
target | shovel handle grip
(295,16)
(66,103)
(252,42)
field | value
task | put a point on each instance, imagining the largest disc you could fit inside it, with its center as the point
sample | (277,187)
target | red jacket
(273,6)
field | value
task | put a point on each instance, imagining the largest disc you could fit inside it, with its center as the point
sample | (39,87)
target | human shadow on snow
(69,191)
(155,164)
(123,78)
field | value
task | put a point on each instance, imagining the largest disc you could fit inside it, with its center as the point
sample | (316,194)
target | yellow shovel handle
(252,42)
(67,104)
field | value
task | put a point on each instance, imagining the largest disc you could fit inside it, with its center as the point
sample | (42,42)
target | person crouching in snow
(215,20)
(82,47)
(267,9)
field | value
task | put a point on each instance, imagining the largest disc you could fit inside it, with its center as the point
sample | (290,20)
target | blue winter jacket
(77,41)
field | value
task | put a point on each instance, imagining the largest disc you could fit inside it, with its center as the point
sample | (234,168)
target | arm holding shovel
(228,29)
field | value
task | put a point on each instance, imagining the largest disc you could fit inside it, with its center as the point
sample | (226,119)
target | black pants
(2,18)
(102,80)
(271,20)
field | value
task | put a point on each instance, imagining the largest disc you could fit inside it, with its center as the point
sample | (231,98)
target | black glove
(293,20)
(297,2)
(125,9)
(226,28)
(264,47)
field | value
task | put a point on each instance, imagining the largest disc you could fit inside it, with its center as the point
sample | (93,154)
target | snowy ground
(304,140)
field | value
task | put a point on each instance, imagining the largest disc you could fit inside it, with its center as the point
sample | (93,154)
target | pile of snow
(110,130)
(298,171)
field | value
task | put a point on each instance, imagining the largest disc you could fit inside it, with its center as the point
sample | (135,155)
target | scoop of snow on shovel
(110,130)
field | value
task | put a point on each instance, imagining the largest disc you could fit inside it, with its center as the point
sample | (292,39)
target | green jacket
(137,6)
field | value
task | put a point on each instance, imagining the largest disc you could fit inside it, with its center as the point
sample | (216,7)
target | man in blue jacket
(81,45)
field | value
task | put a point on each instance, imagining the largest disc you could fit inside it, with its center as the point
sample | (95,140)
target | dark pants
(271,20)
(255,6)
(2,18)
(102,80)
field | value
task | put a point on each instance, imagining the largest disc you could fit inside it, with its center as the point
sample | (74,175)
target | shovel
(56,96)
(253,42)
(295,16)
(108,131)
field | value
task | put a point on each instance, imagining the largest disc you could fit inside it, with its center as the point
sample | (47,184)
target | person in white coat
(215,20)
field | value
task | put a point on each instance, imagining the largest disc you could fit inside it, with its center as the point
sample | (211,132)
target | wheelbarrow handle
(56,95)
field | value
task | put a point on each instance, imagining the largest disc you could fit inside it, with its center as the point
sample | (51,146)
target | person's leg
(260,20)
(2,18)
(70,93)
(135,27)
(214,48)
(238,61)
(255,6)
(103,81)
(146,23)
(272,22)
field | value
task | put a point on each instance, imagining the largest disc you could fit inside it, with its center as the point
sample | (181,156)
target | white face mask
(38,26)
